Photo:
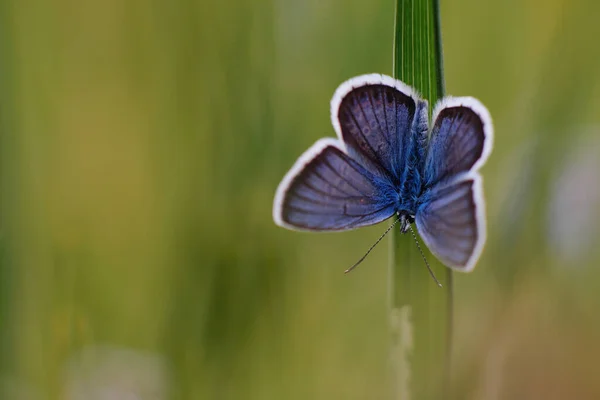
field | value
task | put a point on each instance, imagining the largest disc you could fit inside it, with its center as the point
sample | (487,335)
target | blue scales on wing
(328,191)
(450,213)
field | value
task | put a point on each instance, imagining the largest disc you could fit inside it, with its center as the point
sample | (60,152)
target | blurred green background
(141,143)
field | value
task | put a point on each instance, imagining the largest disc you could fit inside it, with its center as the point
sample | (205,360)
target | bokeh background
(141,143)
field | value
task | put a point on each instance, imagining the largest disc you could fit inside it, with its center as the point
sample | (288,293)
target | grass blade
(421,312)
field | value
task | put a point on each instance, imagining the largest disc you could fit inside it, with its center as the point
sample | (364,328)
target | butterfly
(389,161)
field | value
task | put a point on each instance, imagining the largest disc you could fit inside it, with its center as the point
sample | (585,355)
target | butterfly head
(405,219)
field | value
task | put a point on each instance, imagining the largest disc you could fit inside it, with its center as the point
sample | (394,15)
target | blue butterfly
(388,161)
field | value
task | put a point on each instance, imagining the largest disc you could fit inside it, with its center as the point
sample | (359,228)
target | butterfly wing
(374,115)
(328,191)
(460,140)
(451,221)
(451,212)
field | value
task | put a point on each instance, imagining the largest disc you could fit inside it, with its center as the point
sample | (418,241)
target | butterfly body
(389,161)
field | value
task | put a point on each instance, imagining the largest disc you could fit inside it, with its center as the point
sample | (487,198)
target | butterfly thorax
(403,194)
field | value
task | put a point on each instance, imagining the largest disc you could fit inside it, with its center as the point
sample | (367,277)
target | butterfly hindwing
(451,221)
(328,191)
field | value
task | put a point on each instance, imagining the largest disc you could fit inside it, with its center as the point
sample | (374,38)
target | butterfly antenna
(423,255)
(372,247)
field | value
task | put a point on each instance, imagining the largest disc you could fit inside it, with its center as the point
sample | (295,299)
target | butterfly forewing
(373,115)
(460,139)
(327,191)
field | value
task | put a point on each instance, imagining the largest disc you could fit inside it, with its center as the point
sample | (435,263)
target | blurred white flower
(111,373)
(515,189)
(574,209)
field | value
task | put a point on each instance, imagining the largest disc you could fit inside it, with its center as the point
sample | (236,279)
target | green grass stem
(421,312)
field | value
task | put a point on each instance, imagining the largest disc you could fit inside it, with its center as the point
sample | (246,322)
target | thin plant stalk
(420,311)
